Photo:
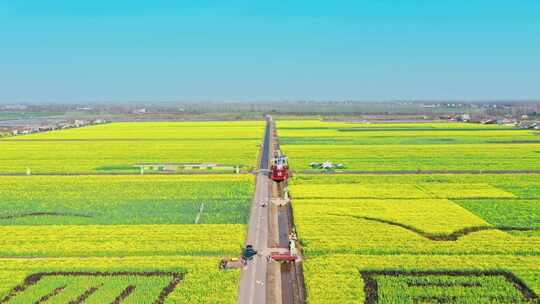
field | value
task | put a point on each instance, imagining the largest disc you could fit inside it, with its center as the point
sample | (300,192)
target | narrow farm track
(253,281)
(427,172)
(33,214)
(119,139)
(124,173)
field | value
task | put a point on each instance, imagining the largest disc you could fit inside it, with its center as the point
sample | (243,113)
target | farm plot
(373,222)
(118,147)
(180,279)
(395,147)
(121,239)
(101,287)
(348,278)
(101,215)
(347,133)
(148,199)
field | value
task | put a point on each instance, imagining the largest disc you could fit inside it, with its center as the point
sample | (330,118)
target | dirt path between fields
(32,214)
(397,172)
(124,173)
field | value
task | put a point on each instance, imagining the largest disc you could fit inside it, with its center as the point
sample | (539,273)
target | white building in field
(174,167)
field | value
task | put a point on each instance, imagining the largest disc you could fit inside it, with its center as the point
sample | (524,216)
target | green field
(106,238)
(337,278)
(412,222)
(400,238)
(7,115)
(118,147)
(434,238)
(416,238)
(410,146)
(125,199)
(99,215)
(116,224)
(201,281)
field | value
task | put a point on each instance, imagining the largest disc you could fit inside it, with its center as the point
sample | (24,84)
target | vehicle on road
(280,168)
(248,253)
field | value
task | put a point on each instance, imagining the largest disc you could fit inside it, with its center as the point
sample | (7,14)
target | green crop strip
(397,286)
(107,200)
(77,287)
(454,236)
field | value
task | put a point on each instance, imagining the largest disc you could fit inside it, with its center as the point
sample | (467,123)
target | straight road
(253,276)
(426,172)
(123,173)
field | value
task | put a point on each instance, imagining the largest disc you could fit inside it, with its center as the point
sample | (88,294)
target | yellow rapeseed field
(354,224)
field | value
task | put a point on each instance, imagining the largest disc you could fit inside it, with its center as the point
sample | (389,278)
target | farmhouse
(22,130)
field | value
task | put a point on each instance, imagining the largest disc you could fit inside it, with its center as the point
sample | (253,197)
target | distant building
(139,111)
(46,128)
(16,107)
(23,130)
(98,121)
(527,125)
(490,121)
(79,123)
(464,118)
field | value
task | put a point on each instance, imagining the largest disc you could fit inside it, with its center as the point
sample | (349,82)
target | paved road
(253,276)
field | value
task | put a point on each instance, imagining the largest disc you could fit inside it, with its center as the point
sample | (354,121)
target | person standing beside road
(292,247)
(248,253)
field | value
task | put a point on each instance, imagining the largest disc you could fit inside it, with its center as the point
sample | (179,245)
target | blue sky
(66,50)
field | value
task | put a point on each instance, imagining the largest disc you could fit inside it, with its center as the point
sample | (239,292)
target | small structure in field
(489,121)
(175,167)
(327,165)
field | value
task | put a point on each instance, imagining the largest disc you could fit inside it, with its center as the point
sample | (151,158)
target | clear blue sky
(108,50)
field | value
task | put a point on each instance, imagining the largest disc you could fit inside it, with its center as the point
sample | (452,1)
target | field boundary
(36,277)
(371,288)
(397,172)
(129,173)
(454,236)
(32,214)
